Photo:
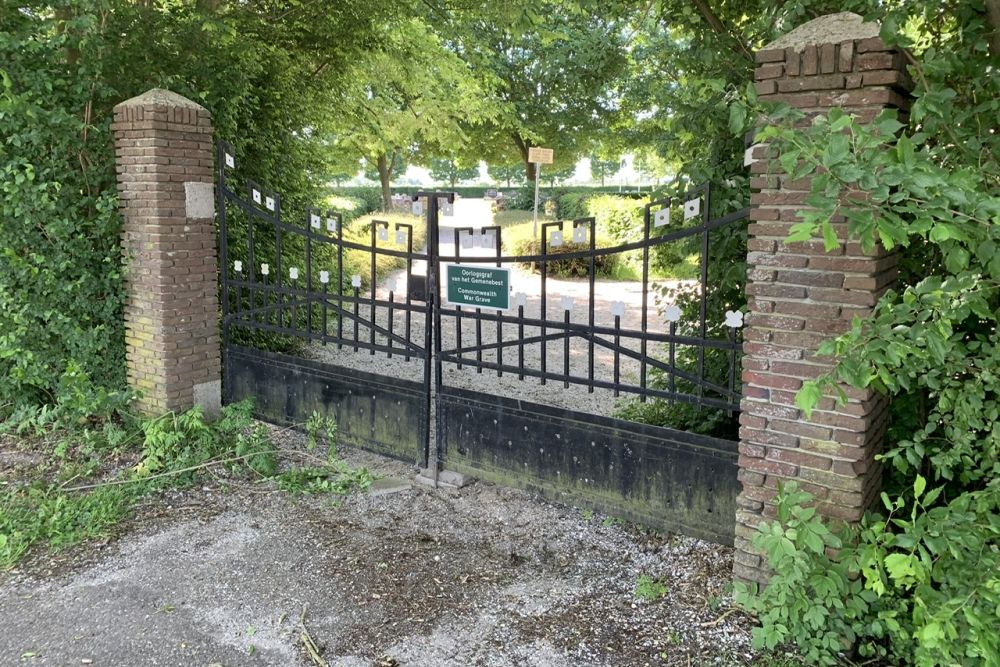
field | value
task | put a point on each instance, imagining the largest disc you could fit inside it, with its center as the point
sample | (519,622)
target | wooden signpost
(539,156)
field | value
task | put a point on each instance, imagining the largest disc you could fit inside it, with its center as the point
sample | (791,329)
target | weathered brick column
(163,148)
(800,295)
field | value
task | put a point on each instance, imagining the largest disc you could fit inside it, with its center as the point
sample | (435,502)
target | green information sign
(478,286)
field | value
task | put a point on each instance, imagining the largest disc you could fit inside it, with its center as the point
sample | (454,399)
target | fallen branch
(200,466)
(309,643)
(720,619)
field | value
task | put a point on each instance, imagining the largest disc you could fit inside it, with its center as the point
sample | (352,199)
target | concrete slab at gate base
(667,479)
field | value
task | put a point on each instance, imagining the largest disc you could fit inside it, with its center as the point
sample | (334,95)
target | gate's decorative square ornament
(383,234)
(556,240)
(486,239)
(447,208)
(520,299)
(662,217)
(618,308)
(400,237)
(293,273)
(355,280)
(238,266)
(331,224)
(314,220)
(230,161)
(468,239)
(672,313)
(417,208)
(567,303)
(269,203)
(256,196)
(692,207)
(580,234)
(324,277)
(265,269)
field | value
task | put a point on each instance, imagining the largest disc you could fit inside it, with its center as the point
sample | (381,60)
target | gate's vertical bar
(372,286)
(309,273)
(392,317)
(458,309)
(340,283)
(409,286)
(357,303)
(280,321)
(433,308)
(645,301)
(704,288)
(520,341)
(479,323)
(566,312)
(499,312)
(220,194)
(732,367)
(544,305)
(618,342)
(673,362)
(251,273)
(592,231)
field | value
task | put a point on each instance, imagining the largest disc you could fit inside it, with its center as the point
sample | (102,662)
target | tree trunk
(384,177)
(522,146)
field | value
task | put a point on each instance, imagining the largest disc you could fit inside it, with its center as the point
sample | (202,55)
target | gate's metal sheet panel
(380,414)
(667,479)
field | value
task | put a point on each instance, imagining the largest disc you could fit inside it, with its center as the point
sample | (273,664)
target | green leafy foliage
(929,190)
(83,490)
(647,588)
(814,601)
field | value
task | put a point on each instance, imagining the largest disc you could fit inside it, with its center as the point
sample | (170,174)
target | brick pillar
(163,149)
(800,295)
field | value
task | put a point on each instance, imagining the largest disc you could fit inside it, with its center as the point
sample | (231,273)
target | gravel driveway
(406,576)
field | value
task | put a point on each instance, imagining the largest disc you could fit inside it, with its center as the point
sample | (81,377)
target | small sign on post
(539,156)
(478,286)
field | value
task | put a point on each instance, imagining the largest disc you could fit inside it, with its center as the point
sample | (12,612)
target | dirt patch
(482,575)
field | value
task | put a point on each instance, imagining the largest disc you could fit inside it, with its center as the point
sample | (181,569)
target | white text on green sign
(480,287)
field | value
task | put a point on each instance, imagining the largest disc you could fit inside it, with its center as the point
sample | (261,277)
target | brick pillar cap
(829,29)
(160,97)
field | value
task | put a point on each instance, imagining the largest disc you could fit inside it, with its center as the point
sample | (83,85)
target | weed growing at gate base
(647,588)
(82,483)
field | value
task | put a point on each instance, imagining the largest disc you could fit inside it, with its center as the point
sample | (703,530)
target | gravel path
(475,213)
(400,576)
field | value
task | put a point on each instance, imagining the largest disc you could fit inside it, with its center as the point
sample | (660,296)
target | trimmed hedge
(606,266)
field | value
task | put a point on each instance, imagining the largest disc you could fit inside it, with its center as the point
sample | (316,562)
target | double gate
(354,322)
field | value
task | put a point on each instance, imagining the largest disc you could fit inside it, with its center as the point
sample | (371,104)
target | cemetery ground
(231,570)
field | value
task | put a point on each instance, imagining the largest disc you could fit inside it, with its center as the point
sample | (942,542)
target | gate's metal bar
(340,283)
(498,239)
(592,231)
(220,161)
(704,280)
(409,275)
(456,234)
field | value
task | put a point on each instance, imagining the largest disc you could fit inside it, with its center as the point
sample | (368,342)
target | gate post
(163,154)
(800,295)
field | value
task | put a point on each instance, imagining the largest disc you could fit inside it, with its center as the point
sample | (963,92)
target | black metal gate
(522,395)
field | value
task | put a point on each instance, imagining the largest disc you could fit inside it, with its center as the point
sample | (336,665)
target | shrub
(573,205)
(605,266)
(919,587)
(619,217)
